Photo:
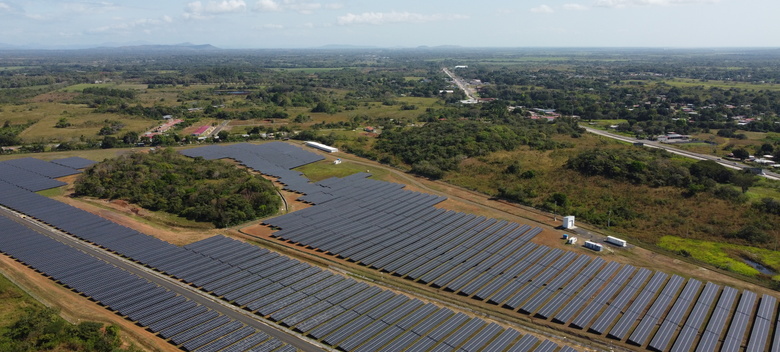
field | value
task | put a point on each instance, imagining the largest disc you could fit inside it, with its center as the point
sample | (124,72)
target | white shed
(568,222)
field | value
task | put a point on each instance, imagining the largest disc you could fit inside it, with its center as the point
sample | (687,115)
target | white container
(594,246)
(616,241)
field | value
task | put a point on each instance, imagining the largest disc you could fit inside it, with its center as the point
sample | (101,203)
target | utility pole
(609,218)
(555,211)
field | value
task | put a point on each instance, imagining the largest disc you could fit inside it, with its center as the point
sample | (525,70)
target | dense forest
(197,189)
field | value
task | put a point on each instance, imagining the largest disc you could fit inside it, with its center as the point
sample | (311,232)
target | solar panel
(616,306)
(655,313)
(603,296)
(638,306)
(739,322)
(691,328)
(74,162)
(762,324)
(670,324)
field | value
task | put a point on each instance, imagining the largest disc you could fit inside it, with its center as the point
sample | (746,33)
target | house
(200,130)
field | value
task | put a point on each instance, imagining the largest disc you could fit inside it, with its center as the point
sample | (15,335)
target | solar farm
(391,230)
(382,226)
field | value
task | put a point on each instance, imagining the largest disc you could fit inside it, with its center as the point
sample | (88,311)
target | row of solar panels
(173,317)
(36,175)
(266,295)
(339,311)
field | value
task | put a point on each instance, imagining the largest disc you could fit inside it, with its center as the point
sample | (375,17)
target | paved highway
(167,282)
(727,163)
(459,82)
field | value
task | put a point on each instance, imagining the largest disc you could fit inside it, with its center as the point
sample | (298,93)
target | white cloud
(304,7)
(574,7)
(5,7)
(273,26)
(627,3)
(542,9)
(89,8)
(268,5)
(377,18)
(199,10)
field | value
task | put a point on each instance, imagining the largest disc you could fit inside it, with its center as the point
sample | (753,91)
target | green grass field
(723,255)
(321,170)
(14,301)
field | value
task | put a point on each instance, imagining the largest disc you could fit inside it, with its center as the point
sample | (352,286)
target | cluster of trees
(9,134)
(197,189)
(42,329)
(438,147)
(656,168)
(636,165)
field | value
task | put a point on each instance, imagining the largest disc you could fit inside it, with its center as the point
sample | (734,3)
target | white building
(568,222)
(321,146)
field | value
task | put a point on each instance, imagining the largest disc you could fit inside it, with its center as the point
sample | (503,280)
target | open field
(321,170)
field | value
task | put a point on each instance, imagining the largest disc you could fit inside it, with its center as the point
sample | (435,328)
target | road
(166,282)
(461,84)
(218,128)
(698,156)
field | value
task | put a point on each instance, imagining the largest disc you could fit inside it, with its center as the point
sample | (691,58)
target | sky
(234,24)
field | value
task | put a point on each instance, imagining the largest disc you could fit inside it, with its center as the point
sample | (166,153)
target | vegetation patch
(197,189)
(725,256)
(26,325)
(440,146)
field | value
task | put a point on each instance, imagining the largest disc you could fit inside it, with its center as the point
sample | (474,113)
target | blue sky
(393,23)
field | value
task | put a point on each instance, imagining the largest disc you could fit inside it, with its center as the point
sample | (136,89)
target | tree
(223,135)
(741,153)
(109,142)
(62,123)
(130,137)
(744,180)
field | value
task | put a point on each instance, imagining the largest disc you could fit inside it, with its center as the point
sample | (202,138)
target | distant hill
(162,47)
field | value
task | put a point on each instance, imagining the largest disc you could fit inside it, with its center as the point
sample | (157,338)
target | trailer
(594,246)
(616,241)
